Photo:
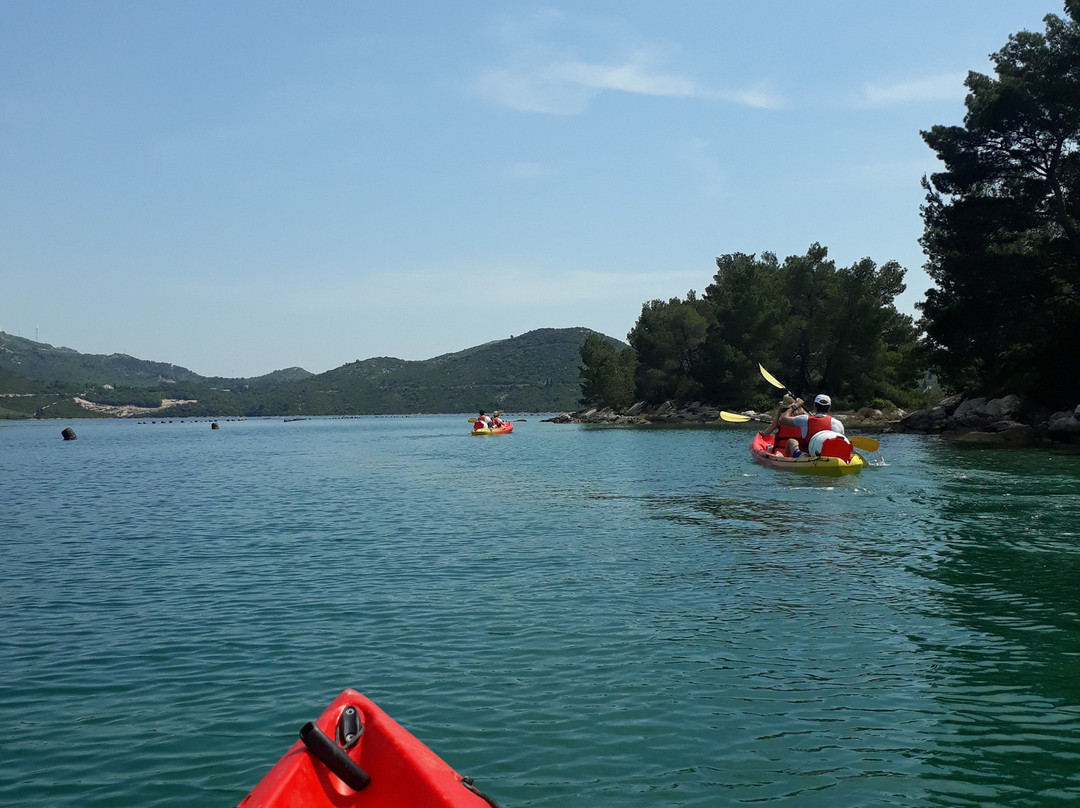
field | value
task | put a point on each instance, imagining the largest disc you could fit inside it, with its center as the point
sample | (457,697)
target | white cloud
(759,96)
(567,87)
(540,76)
(946,87)
(633,77)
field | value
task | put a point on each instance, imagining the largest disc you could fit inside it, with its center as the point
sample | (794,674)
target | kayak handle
(333,757)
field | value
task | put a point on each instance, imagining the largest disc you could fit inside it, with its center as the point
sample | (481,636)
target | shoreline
(998,421)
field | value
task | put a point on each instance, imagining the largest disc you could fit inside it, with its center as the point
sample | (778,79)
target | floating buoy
(69,433)
(214,425)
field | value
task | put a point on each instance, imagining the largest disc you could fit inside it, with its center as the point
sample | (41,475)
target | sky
(239,186)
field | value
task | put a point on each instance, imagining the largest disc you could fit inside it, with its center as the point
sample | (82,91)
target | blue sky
(238,186)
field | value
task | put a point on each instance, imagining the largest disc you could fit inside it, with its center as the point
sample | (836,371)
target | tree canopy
(607,372)
(1002,223)
(818,327)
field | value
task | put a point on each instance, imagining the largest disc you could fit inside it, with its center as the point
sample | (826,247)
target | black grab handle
(333,757)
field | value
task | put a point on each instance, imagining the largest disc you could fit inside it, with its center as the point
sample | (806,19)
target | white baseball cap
(823,399)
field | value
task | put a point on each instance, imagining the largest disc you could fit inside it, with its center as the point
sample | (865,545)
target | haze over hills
(534,372)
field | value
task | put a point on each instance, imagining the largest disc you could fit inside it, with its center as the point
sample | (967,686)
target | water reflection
(1008,576)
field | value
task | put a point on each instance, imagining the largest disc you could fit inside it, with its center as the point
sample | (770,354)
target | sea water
(571,615)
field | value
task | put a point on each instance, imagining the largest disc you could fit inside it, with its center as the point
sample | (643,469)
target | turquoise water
(570,615)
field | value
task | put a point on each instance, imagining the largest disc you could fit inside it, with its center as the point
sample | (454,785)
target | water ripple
(610,617)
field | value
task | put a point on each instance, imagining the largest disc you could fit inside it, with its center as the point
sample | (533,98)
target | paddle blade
(770,378)
(734,417)
(867,444)
(472,420)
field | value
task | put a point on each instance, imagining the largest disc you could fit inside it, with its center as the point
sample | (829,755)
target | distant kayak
(761,449)
(355,754)
(505,428)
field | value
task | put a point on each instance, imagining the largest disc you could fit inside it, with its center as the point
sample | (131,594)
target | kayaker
(814,428)
(785,438)
(496,421)
(482,421)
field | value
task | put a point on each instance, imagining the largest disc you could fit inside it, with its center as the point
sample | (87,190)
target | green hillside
(534,372)
(537,371)
(40,363)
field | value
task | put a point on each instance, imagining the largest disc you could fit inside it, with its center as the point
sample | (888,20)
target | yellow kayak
(505,428)
(761,449)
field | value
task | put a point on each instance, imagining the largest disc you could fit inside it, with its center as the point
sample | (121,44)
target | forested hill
(534,372)
(38,363)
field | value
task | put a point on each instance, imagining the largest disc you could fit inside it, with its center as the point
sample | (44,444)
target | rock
(971,412)
(1003,425)
(708,414)
(949,405)
(923,421)
(972,436)
(1001,433)
(69,433)
(665,408)
(1064,424)
(1004,408)
(1020,434)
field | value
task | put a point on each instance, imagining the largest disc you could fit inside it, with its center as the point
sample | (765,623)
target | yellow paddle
(773,381)
(738,418)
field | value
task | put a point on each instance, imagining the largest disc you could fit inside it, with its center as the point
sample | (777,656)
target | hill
(40,363)
(534,372)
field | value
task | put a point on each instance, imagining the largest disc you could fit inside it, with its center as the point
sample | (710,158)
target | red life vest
(838,446)
(814,423)
(782,434)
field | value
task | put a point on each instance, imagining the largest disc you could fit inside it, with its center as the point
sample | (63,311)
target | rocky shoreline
(130,410)
(996,420)
(976,420)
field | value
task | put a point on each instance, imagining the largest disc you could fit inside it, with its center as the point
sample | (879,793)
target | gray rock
(971,412)
(949,405)
(1064,423)
(923,421)
(1004,408)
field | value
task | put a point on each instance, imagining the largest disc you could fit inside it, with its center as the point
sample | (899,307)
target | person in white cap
(816,428)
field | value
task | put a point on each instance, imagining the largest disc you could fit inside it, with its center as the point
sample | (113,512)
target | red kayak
(354,754)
